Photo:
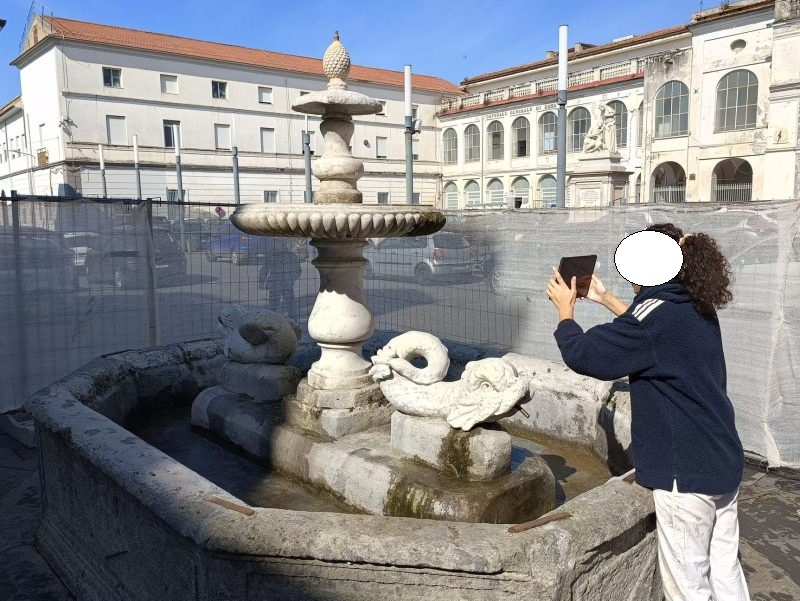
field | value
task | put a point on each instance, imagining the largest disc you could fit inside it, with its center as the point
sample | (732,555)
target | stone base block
(335,423)
(340,399)
(240,420)
(261,381)
(364,471)
(480,454)
(336,413)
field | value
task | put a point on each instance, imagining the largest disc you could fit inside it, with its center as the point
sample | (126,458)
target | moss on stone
(454,456)
(408,500)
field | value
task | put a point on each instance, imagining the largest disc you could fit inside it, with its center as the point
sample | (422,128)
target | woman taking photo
(685,445)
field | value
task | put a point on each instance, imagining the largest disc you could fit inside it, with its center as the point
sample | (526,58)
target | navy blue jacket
(682,420)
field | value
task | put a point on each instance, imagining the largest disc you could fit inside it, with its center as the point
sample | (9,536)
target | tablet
(581,268)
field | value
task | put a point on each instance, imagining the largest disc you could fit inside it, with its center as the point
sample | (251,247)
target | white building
(704,111)
(85,84)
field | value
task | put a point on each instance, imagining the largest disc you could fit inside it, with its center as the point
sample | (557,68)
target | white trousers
(698,546)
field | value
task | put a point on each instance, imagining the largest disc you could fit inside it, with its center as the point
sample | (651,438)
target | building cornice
(541,96)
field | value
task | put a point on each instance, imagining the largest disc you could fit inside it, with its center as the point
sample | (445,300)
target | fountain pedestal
(340,321)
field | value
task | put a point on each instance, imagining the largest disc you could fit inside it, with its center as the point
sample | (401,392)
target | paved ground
(769,505)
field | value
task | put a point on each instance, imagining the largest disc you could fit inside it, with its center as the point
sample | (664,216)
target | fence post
(153,333)
(19,304)
(236,195)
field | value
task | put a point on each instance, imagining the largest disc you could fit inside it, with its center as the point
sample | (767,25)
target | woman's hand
(562,296)
(597,291)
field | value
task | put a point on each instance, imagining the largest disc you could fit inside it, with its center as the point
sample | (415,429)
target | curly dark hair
(706,273)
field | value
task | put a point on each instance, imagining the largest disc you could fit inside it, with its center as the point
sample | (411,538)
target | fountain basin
(340,221)
(123,520)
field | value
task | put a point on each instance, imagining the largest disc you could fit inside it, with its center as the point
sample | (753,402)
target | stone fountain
(123,519)
(433,461)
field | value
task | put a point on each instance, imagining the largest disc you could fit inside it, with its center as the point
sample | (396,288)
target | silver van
(423,258)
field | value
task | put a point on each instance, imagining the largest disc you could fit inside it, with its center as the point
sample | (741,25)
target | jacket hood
(672,291)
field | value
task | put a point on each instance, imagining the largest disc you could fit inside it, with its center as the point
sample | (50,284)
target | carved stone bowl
(337,221)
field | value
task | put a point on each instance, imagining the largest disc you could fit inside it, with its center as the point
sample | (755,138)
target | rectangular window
(169,84)
(383,198)
(219,89)
(415,198)
(171,130)
(270,196)
(264,95)
(112,78)
(267,139)
(222,136)
(173,210)
(415,149)
(116,131)
(41,135)
(383,107)
(381,147)
(415,111)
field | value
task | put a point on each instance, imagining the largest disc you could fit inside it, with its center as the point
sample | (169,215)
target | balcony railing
(669,194)
(731,192)
(545,84)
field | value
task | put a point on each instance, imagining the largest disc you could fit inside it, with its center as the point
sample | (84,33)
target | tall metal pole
(137,171)
(236,196)
(561,125)
(179,173)
(102,170)
(409,140)
(307,162)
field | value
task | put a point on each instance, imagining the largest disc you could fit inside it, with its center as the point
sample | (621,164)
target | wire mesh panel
(85,277)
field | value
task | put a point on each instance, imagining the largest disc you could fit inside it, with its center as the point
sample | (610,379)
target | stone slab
(335,423)
(479,454)
(340,399)
(365,472)
(237,418)
(261,381)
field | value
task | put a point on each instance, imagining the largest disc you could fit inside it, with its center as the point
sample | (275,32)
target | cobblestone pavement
(769,516)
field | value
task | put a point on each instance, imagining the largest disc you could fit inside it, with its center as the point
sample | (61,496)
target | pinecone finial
(336,64)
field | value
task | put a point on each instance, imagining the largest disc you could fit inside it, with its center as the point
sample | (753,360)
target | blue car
(236,246)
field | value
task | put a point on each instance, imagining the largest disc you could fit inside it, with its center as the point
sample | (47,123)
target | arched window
(668,183)
(672,110)
(621,121)
(495,192)
(737,101)
(451,196)
(547,133)
(472,143)
(640,136)
(450,144)
(732,181)
(522,134)
(520,190)
(472,192)
(547,191)
(578,123)
(495,139)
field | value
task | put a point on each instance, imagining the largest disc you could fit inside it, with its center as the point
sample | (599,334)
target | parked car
(196,233)
(80,243)
(45,262)
(424,258)
(227,242)
(122,258)
(523,266)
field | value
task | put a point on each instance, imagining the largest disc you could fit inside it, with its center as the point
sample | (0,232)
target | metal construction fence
(81,278)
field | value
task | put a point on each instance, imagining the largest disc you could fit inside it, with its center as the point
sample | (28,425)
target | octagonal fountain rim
(340,221)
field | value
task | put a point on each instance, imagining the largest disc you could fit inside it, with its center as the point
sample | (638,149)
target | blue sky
(447,38)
